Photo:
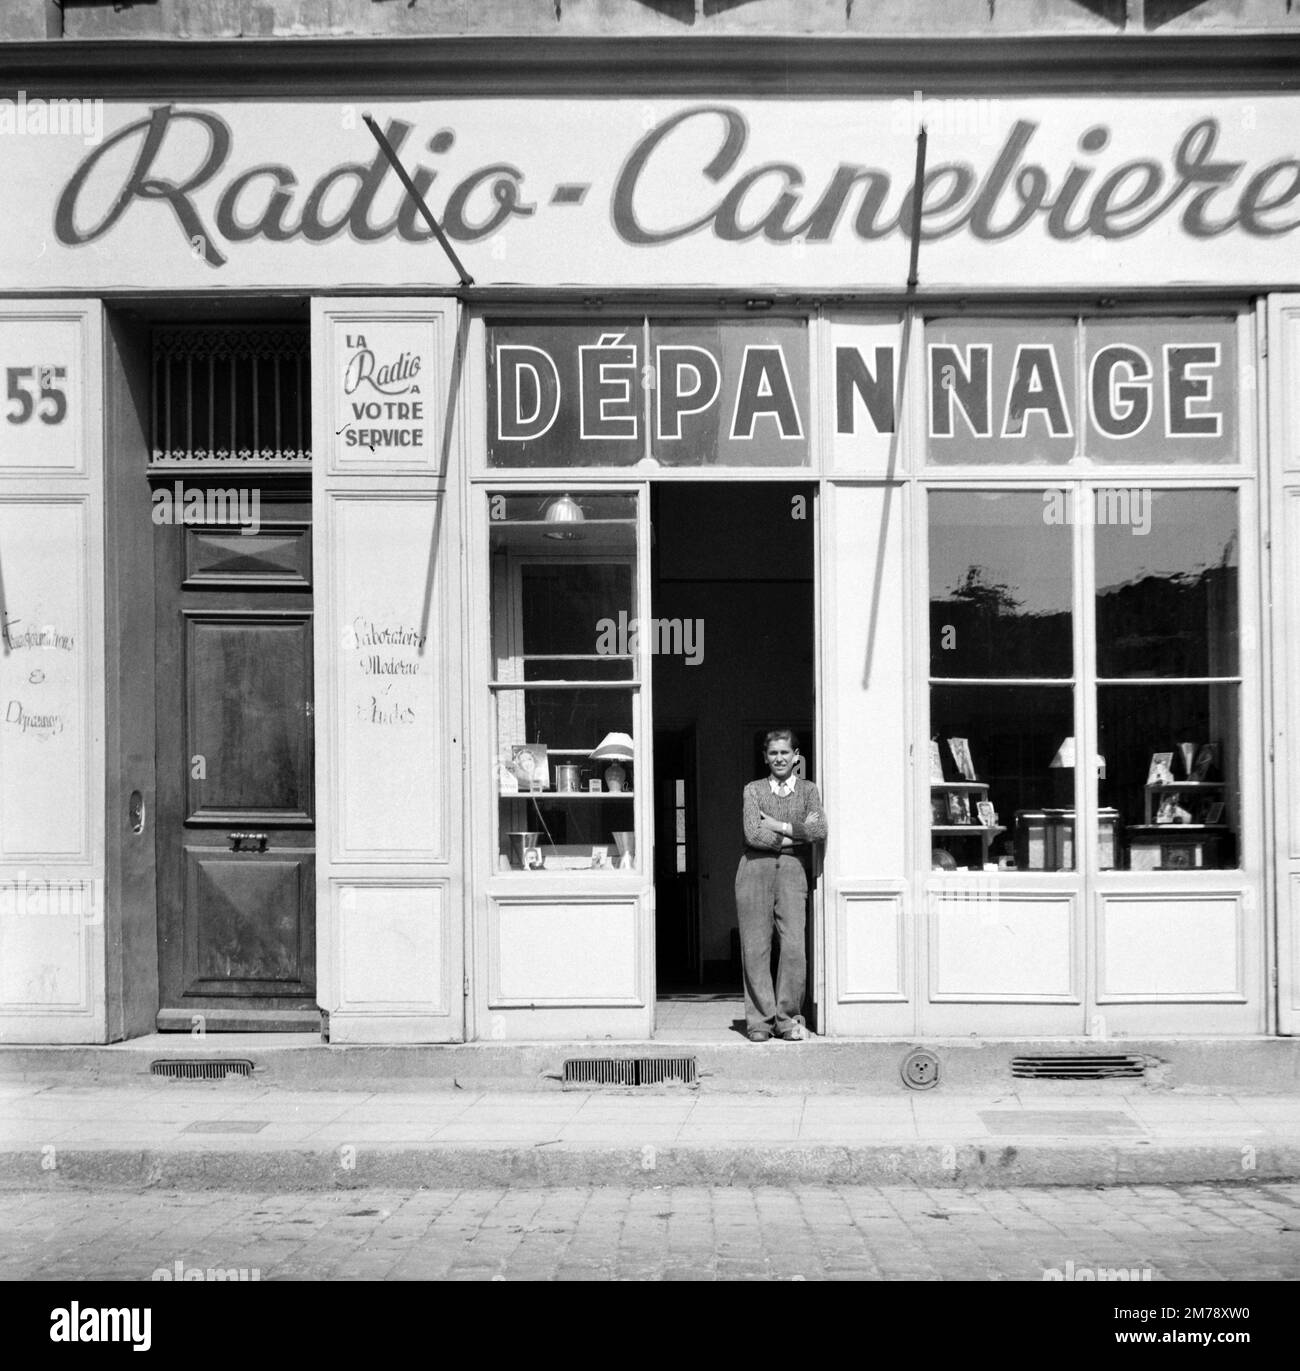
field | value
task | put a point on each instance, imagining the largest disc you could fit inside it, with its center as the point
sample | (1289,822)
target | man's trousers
(772,888)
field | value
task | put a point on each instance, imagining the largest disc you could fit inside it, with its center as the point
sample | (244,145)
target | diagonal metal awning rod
(900,390)
(418,200)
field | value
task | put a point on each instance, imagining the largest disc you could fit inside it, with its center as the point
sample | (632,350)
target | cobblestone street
(899,1233)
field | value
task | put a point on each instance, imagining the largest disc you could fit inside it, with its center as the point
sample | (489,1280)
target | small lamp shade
(615,748)
(1065,758)
(1064,754)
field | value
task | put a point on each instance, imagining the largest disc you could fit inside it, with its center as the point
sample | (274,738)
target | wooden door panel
(248,717)
(234,682)
(248,925)
(276,556)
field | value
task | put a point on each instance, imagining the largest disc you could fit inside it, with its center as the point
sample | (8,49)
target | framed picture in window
(960,749)
(958,807)
(529,763)
(1206,763)
(1161,771)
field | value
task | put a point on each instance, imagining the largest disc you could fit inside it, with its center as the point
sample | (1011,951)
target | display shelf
(1156,790)
(972,793)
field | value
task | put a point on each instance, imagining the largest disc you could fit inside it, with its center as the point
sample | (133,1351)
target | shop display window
(564,679)
(1160,673)
(1001,627)
(1169,685)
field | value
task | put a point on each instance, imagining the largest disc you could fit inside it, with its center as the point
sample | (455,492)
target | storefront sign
(735,393)
(1049,192)
(382,405)
(1153,390)
(614,392)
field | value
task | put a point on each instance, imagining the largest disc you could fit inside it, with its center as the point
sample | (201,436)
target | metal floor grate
(210,1069)
(1078,1066)
(629,1071)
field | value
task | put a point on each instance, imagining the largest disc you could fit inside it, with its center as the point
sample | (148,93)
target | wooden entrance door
(234,831)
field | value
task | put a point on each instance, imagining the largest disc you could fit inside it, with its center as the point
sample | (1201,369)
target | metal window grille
(231,394)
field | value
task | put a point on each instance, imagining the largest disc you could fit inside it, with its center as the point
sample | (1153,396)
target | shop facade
(395,647)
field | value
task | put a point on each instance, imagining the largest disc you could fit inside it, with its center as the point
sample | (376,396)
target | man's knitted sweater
(802,809)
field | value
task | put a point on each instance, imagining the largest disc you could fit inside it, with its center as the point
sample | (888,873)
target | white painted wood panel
(1003,947)
(389,659)
(874,940)
(392,649)
(1171,947)
(865,768)
(576,952)
(45,682)
(392,947)
(52,682)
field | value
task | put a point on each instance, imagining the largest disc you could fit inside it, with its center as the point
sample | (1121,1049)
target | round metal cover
(920,1070)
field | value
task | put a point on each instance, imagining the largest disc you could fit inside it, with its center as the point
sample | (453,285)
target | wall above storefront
(661,18)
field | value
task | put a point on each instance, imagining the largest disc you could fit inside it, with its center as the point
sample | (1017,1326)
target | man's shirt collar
(783,788)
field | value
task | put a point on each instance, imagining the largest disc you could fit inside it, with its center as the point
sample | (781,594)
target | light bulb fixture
(564,513)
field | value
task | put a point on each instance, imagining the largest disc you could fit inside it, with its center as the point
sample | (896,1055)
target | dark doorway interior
(734,563)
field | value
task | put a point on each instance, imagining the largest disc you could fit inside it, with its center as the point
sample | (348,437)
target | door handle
(237,841)
(135,812)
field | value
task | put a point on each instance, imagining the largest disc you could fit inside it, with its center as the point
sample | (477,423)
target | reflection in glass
(1166,583)
(996,745)
(1000,586)
(1172,754)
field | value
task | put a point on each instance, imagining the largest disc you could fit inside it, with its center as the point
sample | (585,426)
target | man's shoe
(758,1035)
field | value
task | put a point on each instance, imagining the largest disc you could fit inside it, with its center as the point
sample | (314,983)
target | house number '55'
(21,386)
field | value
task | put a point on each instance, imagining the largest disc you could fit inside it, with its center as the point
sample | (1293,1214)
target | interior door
(677,893)
(234,831)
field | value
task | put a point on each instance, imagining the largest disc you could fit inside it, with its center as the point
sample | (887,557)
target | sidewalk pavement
(241,1134)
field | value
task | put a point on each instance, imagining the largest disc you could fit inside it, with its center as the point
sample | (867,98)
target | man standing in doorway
(783,817)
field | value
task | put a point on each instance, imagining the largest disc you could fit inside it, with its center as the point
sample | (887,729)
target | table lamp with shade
(1062,769)
(614,748)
